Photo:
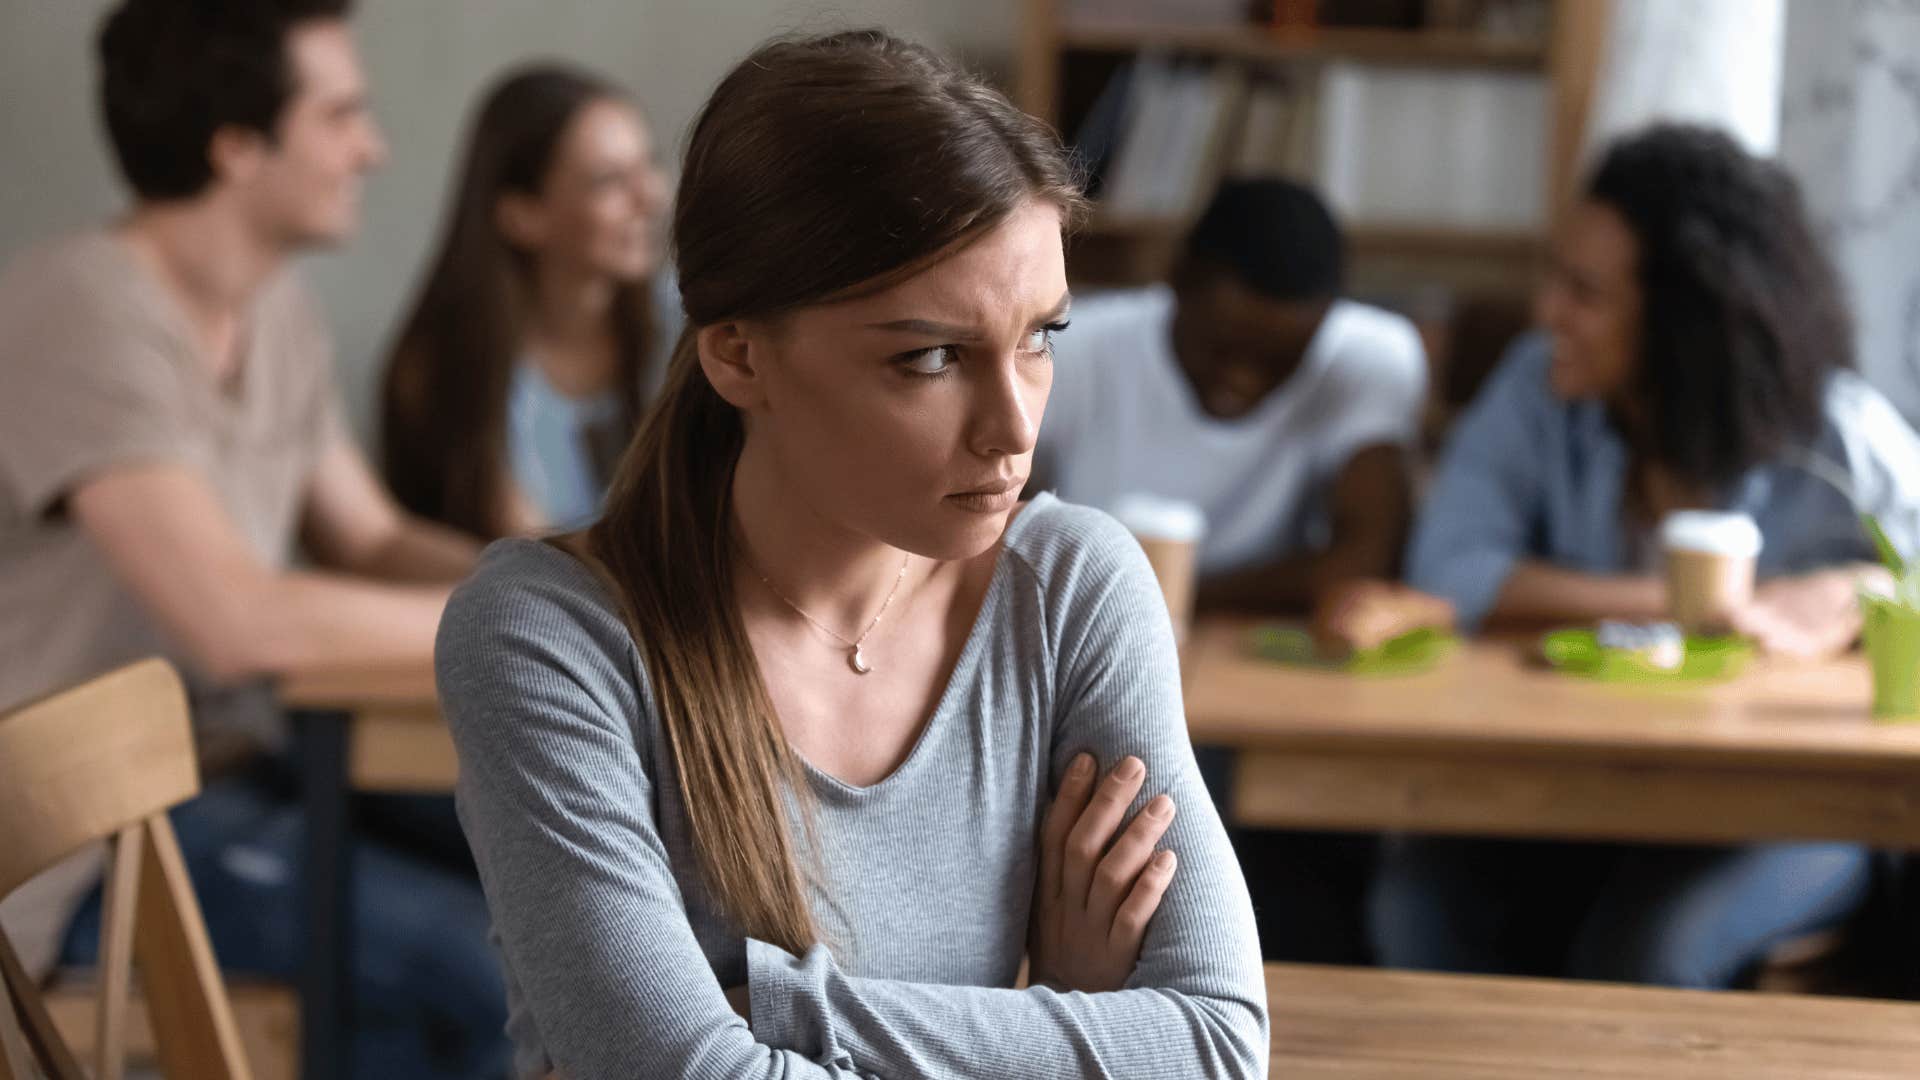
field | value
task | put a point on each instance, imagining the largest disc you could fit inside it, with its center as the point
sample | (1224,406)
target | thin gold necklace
(854,657)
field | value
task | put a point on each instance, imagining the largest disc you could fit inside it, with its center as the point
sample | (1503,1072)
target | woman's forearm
(1538,590)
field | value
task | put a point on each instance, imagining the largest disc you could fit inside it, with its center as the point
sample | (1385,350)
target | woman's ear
(521,221)
(730,355)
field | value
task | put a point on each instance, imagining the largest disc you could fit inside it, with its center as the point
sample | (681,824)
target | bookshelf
(1069,60)
(1423,47)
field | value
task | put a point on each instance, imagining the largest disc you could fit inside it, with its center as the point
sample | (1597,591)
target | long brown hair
(444,402)
(821,167)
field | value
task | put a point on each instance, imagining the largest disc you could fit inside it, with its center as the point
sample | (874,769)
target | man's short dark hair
(173,72)
(1275,235)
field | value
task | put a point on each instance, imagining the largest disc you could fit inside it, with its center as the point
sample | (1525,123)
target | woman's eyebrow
(933,328)
(930,328)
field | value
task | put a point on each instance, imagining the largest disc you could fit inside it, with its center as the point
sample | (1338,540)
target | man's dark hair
(172,72)
(1743,318)
(1275,235)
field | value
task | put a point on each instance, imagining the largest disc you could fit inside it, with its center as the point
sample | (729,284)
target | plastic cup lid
(1161,518)
(1711,532)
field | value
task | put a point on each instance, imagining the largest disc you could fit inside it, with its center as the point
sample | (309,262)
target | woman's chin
(958,535)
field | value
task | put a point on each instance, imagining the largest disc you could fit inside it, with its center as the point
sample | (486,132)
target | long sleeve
(1478,514)
(1882,458)
(556,804)
(1196,1005)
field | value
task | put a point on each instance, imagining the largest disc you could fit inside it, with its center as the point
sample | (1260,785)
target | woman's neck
(832,574)
(570,330)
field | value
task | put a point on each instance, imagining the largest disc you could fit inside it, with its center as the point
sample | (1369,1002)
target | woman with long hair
(522,369)
(784,766)
(1697,355)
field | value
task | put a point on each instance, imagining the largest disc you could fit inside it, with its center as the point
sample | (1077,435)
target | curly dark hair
(173,72)
(1743,315)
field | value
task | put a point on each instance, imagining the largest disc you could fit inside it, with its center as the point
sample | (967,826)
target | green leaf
(1888,554)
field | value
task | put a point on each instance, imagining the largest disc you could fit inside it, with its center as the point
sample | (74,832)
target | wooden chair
(104,761)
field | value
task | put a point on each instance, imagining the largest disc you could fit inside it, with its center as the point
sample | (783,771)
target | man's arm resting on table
(352,524)
(1371,510)
(169,540)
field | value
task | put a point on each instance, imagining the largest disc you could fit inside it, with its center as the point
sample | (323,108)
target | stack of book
(1387,145)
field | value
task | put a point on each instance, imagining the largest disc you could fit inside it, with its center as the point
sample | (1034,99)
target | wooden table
(1482,745)
(1394,1025)
(1486,744)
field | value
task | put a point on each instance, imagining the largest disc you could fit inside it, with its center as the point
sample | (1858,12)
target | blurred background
(1442,131)
(427,63)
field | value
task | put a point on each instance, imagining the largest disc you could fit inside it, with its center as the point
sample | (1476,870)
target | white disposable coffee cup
(1170,531)
(1710,566)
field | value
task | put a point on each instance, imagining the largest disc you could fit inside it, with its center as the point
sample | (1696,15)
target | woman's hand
(1809,616)
(1361,614)
(1096,893)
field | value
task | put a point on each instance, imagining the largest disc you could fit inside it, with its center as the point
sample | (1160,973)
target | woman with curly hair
(1697,354)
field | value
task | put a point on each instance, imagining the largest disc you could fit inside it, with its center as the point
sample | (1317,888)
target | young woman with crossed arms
(783,766)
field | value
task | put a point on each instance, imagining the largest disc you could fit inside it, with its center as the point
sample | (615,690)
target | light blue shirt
(547,448)
(1529,476)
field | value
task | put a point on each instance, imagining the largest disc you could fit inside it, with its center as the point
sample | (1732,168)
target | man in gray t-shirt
(170,428)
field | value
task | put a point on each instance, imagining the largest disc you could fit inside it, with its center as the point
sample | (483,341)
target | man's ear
(731,356)
(235,153)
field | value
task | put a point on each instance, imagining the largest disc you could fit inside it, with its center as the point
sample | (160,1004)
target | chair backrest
(104,762)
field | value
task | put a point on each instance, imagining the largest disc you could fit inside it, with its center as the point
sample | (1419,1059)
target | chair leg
(20,1004)
(122,898)
(193,1028)
(14,1062)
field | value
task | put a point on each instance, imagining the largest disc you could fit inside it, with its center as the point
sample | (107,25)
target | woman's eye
(1041,340)
(934,361)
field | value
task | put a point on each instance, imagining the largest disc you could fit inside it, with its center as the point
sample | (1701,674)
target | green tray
(1708,659)
(1408,654)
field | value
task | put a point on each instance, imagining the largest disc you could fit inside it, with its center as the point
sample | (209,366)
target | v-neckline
(235,390)
(977,637)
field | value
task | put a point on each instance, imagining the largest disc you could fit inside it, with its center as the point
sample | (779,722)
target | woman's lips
(988,500)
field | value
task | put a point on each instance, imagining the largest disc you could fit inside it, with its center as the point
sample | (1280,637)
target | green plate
(1708,659)
(1408,654)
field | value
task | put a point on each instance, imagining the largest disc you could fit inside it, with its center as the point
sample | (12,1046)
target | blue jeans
(1701,917)
(429,998)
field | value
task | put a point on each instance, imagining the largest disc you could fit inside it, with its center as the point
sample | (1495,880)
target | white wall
(1850,130)
(426,60)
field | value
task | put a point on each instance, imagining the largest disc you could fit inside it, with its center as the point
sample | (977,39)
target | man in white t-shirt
(1254,390)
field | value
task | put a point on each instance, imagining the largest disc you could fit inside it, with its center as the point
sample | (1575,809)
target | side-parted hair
(173,72)
(820,168)
(1743,317)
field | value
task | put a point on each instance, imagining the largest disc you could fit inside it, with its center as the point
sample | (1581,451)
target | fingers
(1130,921)
(1087,840)
(1114,879)
(1366,614)
(1065,809)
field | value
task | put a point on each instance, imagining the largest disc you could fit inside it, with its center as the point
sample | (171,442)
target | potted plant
(1890,632)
